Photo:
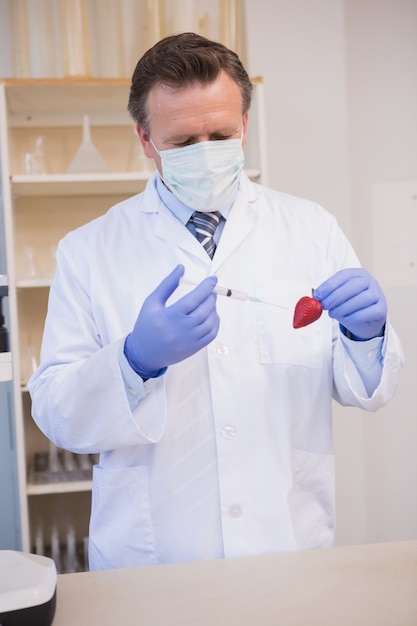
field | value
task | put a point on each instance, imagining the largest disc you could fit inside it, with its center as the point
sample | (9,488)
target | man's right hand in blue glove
(164,335)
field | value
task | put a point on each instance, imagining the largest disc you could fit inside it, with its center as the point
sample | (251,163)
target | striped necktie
(205,226)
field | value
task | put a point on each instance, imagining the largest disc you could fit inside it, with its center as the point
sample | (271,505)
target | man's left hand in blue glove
(355,299)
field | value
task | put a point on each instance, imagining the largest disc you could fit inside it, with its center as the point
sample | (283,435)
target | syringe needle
(279,306)
(234,294)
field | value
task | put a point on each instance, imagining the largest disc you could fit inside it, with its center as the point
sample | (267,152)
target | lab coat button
(228,432)
(222,350)
(235,511)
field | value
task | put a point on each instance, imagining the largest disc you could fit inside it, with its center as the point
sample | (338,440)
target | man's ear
(145,140)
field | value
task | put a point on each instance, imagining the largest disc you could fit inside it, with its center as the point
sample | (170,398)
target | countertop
(372,585)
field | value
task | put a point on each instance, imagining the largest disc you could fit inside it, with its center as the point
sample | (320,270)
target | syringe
(234,294)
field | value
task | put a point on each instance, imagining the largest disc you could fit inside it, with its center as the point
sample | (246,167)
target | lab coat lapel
(240,223)
(169,228)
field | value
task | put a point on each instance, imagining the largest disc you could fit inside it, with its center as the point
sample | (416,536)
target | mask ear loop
(161,175)
(241,135)
(159,154)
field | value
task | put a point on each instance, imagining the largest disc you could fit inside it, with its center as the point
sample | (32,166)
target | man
(212,416)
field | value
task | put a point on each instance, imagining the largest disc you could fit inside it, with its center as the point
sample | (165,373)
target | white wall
(298,47)
(341,91)
(382,103)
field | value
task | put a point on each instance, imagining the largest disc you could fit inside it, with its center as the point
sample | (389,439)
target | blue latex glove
(164,335)
(355,299)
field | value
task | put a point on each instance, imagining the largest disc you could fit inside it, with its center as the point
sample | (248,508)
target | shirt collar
(178,208)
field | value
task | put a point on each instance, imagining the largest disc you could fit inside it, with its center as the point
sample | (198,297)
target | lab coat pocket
(279,342)
(311,499)
(121,532)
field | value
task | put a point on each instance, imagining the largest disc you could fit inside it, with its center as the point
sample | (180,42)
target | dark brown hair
(179,61)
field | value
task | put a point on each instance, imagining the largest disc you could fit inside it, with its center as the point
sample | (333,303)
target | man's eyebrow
(182,137)
(187,136)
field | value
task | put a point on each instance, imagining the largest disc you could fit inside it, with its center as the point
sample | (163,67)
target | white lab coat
(230,452)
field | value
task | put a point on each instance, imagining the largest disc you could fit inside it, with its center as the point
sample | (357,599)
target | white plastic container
(27,589)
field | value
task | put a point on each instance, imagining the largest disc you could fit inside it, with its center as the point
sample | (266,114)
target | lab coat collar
(169,227)
(240,222)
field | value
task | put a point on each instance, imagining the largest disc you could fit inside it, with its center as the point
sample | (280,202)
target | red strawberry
(307,310)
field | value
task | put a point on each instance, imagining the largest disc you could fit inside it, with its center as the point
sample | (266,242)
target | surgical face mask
(204,175)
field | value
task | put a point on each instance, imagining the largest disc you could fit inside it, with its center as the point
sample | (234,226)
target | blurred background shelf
(78,184)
